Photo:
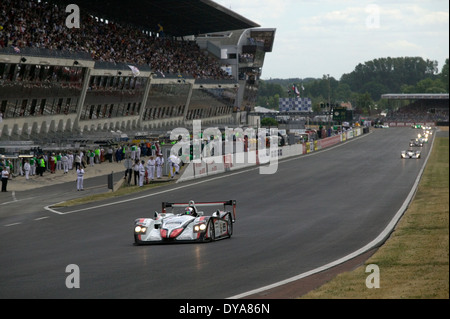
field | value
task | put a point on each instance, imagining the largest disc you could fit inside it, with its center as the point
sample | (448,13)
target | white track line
(240,171)
(144,196)
(381,237)
(374,243)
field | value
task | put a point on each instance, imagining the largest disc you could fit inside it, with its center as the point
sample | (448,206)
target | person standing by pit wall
(65,163)
(5,177)
(27,169)
(80,175)
(159,165)
(141,173)
(151,166)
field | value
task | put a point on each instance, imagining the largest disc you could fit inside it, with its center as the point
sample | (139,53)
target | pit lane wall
(213,165)
(409,123)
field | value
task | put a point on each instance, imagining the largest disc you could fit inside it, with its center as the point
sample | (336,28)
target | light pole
(329,101)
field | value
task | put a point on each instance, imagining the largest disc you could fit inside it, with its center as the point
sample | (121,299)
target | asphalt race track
(314,210)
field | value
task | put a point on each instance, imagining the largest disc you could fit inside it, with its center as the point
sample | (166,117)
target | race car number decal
(221,227)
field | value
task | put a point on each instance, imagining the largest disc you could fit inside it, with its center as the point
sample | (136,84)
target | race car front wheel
(211,230)
(230,225)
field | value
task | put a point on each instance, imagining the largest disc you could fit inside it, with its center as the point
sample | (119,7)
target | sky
(323,37)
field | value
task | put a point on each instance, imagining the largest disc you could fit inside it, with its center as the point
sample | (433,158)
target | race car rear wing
(201,204)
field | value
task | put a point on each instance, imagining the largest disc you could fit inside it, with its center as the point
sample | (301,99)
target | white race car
(410,154)
(423,137)
(191,225)
(415,142)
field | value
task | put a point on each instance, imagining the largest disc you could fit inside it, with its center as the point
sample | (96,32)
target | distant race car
(422,138)
(415,142)
(410,154)
(189,225)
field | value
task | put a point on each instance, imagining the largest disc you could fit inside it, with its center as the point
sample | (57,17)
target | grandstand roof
(417,96)
(177,17)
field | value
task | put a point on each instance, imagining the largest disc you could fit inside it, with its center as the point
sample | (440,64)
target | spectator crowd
(33,24)
(143,161)
(419,111)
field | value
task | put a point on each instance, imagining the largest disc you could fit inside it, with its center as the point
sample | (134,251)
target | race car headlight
(199,228)
(140,229)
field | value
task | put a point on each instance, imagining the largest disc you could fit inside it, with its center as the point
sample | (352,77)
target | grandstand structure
(134,67)
(418,108)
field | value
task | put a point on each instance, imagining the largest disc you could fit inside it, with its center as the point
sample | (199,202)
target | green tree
(444,75)
(430,86)
(390,74)
(376,89)
(364,104)
(270,89)
(408,89)
(343,92)
(269,94)
(375,77)
(269,121)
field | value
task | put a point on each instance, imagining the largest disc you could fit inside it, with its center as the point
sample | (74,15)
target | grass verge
(414,262)
(123,190)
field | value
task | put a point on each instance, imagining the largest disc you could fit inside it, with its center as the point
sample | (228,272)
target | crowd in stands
(437,111)
(29,23)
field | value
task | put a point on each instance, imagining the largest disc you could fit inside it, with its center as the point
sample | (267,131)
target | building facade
(50,96)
